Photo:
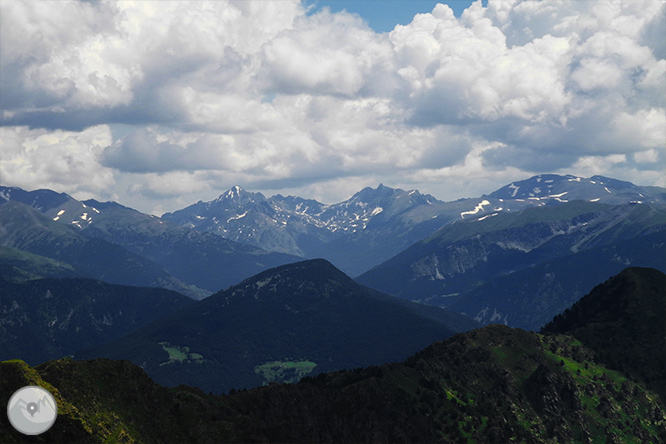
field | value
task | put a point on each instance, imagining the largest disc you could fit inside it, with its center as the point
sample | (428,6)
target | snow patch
(476,209)
(238,216)
(376,211)
(482,314)
(486,217)
(235,191)
(514,188)
(497,316)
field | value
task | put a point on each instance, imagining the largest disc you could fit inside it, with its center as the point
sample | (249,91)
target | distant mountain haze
(518,255)
(522,268)
(26,229)
(198,263)
(376,224)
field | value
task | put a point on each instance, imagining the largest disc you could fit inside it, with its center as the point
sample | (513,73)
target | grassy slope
(20,266)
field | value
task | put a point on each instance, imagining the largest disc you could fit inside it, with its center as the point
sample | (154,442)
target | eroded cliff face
(511,249)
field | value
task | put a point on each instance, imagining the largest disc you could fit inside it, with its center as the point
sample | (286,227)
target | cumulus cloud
(110,54)
(60,160)
(328,54)
(267,94)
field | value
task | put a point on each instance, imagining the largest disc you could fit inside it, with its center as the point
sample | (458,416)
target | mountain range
(493,384)
(514,256)
(120,245)
(57,246)
(272,311)
(377,224)
(523,268)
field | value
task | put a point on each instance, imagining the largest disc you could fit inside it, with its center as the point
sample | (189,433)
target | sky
(158,104)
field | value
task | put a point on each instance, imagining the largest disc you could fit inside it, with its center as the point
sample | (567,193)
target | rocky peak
(238,196)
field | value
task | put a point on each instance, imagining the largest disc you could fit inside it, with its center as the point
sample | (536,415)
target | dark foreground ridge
(489,385)
(622,320)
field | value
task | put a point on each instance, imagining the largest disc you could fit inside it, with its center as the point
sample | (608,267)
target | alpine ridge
(198,263)
(522,268)
(376,224)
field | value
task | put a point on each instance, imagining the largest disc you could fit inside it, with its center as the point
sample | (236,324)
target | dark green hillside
(98,401)
(50,318)
(491,385)
(624,321)
(24,228)
(281,324)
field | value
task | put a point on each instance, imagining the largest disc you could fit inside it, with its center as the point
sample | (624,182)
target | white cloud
(326,54)
(647,156)
(264,95)
(644,129)
(123,51)
(626,167)
(60,160)
(171,184)
(597,74)
(461,71)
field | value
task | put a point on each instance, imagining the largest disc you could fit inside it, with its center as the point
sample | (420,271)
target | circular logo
(32,410)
